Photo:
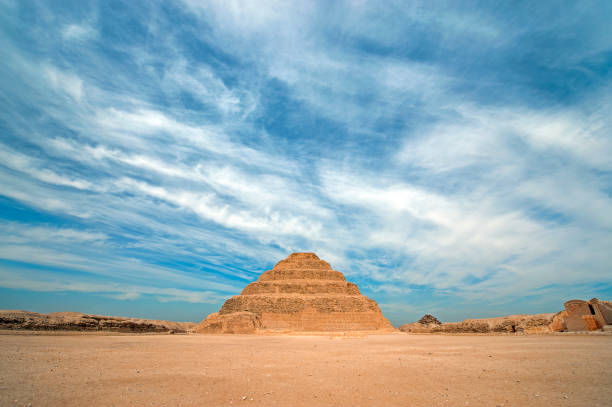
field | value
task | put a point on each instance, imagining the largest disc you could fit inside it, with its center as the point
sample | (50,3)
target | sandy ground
(379,370)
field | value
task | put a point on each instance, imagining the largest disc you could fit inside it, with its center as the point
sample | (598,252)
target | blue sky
(450,158)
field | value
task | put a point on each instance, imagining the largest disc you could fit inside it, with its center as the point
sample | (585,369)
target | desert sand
(87,369)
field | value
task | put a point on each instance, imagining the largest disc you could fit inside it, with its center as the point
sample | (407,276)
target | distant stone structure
(538,323)
(301,293)
(429,319)
(578,315)
(582,315)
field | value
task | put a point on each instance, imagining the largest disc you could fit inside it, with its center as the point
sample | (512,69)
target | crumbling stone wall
(582,315)
(603,311)
(575,310)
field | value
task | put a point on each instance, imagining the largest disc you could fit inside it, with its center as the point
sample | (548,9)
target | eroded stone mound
(76,321)
(429,319)
(301,293)
(537,323)
(580,315)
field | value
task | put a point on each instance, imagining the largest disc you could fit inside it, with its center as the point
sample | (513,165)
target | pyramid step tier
(306,287)
(288,303)
(302,261)
(301,274)
(312,321)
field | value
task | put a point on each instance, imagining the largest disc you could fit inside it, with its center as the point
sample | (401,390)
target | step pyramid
(301,293)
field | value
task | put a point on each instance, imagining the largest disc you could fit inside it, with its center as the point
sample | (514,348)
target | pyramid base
(308,320)
(235,323)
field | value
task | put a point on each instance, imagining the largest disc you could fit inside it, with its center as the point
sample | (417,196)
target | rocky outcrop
(234,323)
(75,321)
(558,322)
(429,319)
(510,324)
(301,293)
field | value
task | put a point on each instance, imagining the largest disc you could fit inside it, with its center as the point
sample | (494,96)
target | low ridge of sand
(522,323)
(377,370)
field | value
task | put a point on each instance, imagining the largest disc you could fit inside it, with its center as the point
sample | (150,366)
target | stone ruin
(75,321)
(580,315)
(429,319)
(301,293)
(537,323)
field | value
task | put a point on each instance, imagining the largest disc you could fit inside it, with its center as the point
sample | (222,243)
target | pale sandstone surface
(379,370)
(301,293)
(76,321)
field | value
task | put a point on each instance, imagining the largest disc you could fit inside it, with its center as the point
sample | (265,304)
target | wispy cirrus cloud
(76,31)
(440,156)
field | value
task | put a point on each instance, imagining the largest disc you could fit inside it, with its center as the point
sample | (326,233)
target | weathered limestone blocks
(591,323)
(510,324)
(301,287)
(311,320)
(558,322)
(303,261)
(575,310)
(578,315)
(236,323)
(301,274)
(322,303)
(429,319)
(582,315)
(301,293)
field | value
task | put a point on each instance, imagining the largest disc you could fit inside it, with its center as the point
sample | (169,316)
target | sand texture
(267,370)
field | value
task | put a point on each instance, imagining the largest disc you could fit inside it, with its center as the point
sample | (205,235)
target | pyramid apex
(302,260)
(304,255)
